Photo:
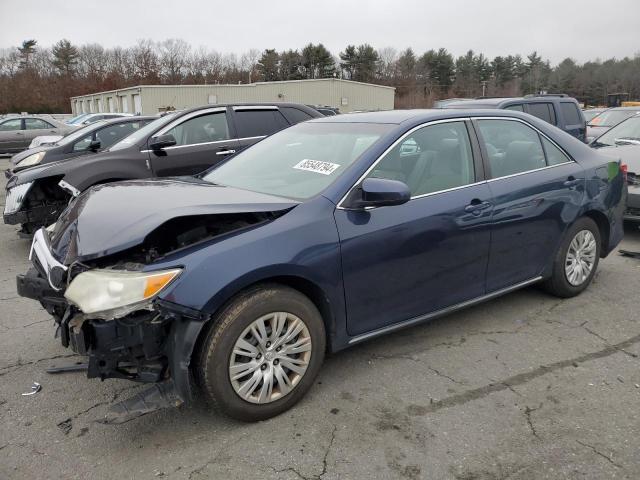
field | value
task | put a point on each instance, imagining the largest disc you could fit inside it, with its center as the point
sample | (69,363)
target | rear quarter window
(571,113)
(257,123)
(293,115)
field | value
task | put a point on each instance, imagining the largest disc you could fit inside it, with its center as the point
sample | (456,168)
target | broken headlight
(102,290)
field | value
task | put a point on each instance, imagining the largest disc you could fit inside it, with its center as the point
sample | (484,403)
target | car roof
(416,115)
(496,102)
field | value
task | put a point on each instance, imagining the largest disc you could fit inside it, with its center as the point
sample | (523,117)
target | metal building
(346,95)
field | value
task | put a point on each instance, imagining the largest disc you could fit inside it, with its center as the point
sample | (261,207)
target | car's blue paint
(390,264)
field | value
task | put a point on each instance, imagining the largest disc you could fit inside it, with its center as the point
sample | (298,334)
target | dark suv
(180,143)
(557,109)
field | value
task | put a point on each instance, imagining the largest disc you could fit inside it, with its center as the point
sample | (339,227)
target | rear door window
(517,107)
(512,147)
(544,111)
(570,113)
(258,123)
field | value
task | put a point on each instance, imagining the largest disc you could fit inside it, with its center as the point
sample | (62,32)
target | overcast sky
(582,29)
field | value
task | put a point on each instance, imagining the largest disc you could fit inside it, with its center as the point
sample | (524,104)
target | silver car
(16,133)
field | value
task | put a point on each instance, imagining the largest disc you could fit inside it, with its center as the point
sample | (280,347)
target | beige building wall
(346,95)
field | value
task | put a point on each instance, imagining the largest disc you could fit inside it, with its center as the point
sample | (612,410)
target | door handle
(476,206)
(225,152)
(572,182)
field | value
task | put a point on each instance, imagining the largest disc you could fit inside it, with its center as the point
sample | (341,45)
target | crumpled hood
(110,218)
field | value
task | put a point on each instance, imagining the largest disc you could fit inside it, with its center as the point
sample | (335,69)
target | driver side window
(434,158)
(205,128)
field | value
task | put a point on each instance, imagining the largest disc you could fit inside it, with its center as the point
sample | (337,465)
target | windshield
(612,117)
(298,162)
(79,133)
(75,119)
(627,132)
(591,114)
(144,132)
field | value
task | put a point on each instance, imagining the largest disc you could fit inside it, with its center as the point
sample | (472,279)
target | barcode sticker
(317,166)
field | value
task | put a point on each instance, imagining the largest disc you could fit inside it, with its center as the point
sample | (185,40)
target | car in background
(607,119)
(17,132)
(623,142)
(557,109)
(591,113)
(44,140)
(92,138)
(326,110)
(88,118)
(320,237)
(179,143)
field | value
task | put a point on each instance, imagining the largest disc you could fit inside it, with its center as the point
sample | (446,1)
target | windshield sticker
(317,166)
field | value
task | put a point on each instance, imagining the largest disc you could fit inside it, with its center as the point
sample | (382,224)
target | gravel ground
(524,387)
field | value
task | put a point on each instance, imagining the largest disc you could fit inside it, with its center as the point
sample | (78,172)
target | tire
(560,284)
(217,353)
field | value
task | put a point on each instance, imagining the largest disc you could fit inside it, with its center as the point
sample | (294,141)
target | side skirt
(438,313)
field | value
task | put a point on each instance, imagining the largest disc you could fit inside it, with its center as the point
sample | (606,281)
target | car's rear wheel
(577,259)
(262,353)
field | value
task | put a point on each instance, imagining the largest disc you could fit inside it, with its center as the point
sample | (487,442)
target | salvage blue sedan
(324,235)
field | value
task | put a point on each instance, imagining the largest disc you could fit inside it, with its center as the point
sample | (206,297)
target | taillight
(624,169)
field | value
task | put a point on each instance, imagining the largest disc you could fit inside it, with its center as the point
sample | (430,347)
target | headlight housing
(31,160)
(105,290)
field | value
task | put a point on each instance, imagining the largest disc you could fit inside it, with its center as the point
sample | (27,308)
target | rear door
(537,192)
(35,127)
(573,120)
(203,138)
(12,135)
(253,123)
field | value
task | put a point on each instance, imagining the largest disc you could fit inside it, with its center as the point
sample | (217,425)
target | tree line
(41,79)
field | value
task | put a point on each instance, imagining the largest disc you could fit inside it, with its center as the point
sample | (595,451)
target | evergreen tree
(268,65)
(65,57)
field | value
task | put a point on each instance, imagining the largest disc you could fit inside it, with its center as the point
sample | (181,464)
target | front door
(203,139)
(405,261)
(537,191)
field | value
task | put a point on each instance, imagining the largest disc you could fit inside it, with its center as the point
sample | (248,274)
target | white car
(44,140)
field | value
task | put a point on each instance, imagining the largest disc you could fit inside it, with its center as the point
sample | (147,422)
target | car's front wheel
(576,260)
(262,352)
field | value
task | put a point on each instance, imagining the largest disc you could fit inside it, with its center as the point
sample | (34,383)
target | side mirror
(94,146)
(379,192)
(162,141)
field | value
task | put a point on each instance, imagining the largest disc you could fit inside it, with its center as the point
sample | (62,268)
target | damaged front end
(94,273)
(142,341)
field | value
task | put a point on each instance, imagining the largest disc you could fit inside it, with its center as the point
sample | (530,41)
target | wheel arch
(604,227)
(312,290)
